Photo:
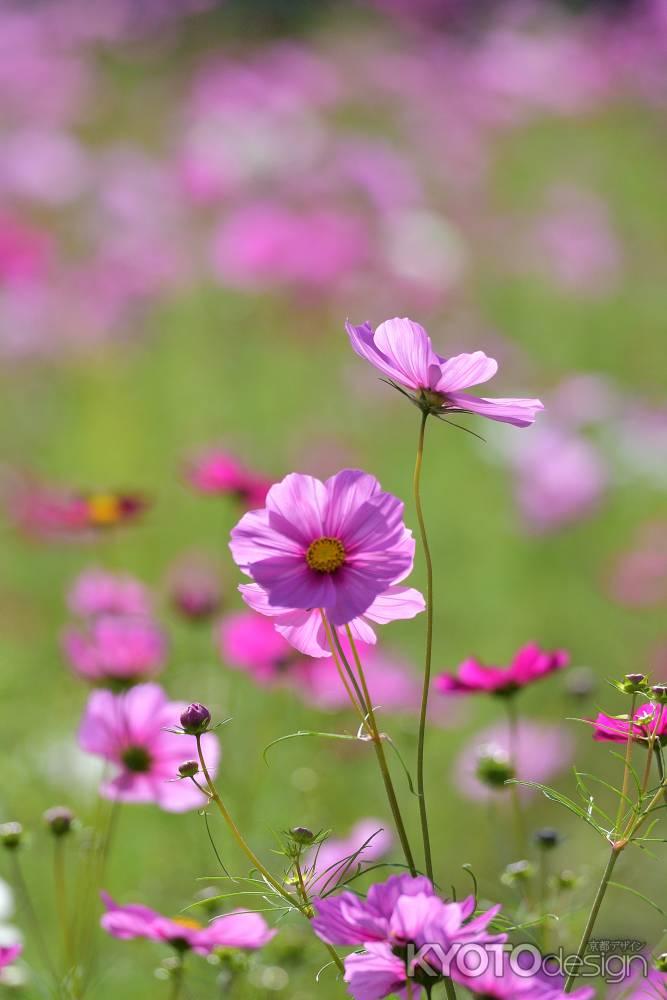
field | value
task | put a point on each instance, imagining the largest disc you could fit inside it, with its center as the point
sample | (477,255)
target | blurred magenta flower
(402,351)
(218,472)
(529,664)
(648,720)
(506,978)
(26,252)
(116,648)
(333,861)
(640,575)
(9,954)
(639,987)
(99,592)
(304,629)
(46,511)
(538,752)
(130,731)
(238,929)
(335,545)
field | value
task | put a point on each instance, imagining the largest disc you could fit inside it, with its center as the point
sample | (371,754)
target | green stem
(250,854)
(33,919)
(592,917)
(423,813)
(60,886)
(519,820)
(626,772)
(177,977)
(380,754)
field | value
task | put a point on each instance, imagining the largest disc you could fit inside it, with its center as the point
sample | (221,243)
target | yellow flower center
(191,925)
(325,555)
(104,509)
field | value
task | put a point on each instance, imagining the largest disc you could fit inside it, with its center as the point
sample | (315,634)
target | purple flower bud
(302,835)
(59,820)
(196,719)
(188,769)
(635,678)
(659,692)
(547,838)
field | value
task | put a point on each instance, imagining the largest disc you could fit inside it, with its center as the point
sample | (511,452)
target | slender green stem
(592,917)
(519,820)
(450,990)
(250,854)
(60,887)
(376,739)
(177,977)
(423,812)
(33,919)
(626,773)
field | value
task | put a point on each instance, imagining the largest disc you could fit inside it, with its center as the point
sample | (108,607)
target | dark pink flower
(639,987)
(130,730)
(304,628)
(99,592)
(530,664)
(507,977)
(238,929)
(9,954)
(217,472)
(116,648)
(335,545)
(648,720)
(402,351)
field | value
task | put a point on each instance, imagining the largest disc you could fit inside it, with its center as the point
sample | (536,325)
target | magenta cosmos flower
(648,720)
(397,913)
(216,472)
(501,976)
(9,954)
(530,664)
(239,929)
(403,352)
(304,628)
(335,545)
(130,731)
(116,648)
(98,592)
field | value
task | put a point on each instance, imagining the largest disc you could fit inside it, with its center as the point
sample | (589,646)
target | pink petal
(361,338)
(394,604)
(520,412)
(408,347)
(465,370)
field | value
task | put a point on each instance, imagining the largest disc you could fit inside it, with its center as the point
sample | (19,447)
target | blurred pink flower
(238,929)
(529,664)
(640,575)
(45,166)
(539,752)
(45,511)
(25,252)
(638,987)
(194,587)
(120,648)
(560,478)
(218,472)
(334,861)
(130,731)
(9,954)
(402,351)
(99,592)
(266,244)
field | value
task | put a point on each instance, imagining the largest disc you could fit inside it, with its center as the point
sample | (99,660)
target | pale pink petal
(519,412)
(408,347)
(395,603)
(465,370)
(361,338)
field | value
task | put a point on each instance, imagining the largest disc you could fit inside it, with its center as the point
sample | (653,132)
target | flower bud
(566,879)
(519,871)
(59,820)
(10,835)
(188,769)
(302,835)
(661,962)
(580,683)
(659,692)
(632,684)
(196,719)
(494,767)
(547,838)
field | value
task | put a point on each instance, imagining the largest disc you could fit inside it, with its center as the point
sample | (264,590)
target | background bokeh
(193,198)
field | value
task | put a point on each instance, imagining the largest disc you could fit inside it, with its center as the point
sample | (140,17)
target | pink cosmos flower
(530,664)
(640,577)
(130,731)
(304,628)
(399,912)
(336,545)
(648,720)
(336,860)
(638,987)
(539,752)
(505,979)
(116,647)
(218,472)
(238,929)
(9,954)
(402,351)
(194,587)
(98,592)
